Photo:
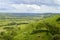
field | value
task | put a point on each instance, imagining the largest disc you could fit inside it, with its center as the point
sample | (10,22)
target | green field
(46,27)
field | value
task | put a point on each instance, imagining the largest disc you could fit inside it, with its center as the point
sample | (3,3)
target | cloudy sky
(30,6)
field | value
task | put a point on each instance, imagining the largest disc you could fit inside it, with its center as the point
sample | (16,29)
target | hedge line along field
(46,27)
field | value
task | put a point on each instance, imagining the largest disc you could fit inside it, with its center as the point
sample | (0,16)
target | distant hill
(8,15)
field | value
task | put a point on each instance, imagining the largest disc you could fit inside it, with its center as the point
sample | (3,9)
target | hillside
(21,27)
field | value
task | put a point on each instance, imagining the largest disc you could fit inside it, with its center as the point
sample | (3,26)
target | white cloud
(57,2)
(32,8)
(10,6)
(21,6)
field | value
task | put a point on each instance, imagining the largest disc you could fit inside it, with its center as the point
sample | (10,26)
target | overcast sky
(30,6)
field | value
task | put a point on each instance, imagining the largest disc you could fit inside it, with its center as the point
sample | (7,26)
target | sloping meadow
(44,29)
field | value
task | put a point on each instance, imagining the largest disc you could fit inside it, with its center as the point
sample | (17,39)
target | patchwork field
(15,26)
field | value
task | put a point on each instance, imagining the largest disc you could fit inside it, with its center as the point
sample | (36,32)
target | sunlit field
(20,26)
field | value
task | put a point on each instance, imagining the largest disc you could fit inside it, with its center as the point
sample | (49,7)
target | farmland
(25,26)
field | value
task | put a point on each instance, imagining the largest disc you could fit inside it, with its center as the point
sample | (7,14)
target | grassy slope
(24,31)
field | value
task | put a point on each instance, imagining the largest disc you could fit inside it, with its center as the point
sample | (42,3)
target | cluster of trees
(52,27)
